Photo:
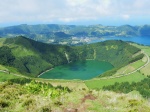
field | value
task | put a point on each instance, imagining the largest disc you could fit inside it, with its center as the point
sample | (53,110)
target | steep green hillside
(31,58)
(39,95)
(118,53)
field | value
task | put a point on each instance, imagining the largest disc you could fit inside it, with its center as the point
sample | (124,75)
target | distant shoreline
(45,72)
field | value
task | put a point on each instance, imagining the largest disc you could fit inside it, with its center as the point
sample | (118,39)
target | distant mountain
(31,58)
(53,33)
(145,30)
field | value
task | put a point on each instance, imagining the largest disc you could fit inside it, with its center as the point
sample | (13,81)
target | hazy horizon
(75,12)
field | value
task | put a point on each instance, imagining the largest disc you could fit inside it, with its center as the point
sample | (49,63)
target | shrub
(4,104)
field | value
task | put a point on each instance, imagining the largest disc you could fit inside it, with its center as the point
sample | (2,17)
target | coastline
(45,72)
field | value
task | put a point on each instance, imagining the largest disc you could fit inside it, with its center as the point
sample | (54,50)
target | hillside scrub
(143,87)
(31,97)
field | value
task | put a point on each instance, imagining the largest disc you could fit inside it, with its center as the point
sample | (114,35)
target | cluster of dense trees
(143,87)
(6,56)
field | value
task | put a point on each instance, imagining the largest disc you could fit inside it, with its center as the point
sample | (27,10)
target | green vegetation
(99,83)
(143,87)
(6,57)
(146,49)
(53,33)
(131,67)
(109,73)
(27,95)
(118,53)
(31,58)
(6,76)
(20,94)
(46,89)
(137,58)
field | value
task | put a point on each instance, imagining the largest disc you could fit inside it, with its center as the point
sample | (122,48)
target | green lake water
(78,70)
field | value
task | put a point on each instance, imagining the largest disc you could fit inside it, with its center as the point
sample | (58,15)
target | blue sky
(78,12)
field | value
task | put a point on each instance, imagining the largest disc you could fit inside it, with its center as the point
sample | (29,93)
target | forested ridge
(31,58)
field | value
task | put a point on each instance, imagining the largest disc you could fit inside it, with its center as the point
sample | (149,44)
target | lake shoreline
(77,70)
(45,72)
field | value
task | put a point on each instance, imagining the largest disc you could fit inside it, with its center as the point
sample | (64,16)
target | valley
(75,56)
(85,95)
(31,58)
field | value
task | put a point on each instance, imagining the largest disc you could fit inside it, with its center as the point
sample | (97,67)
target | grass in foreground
(16,99)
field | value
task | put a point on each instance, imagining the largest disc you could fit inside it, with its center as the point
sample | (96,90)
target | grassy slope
(20,51)
(105,101)
(29,53)
(1,41)
(138,76)
(99,83)
(146,49)
(130,67)
(6,76)
(80,100)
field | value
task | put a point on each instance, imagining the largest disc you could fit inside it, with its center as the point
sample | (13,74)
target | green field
(6,76)
(131,67)
(3,68)
(99,83)
(135,77)
(1,41)
(146,49)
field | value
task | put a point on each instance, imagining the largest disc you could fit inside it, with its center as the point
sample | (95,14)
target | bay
(138,40)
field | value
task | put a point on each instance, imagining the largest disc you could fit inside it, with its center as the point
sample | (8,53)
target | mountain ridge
(55,33)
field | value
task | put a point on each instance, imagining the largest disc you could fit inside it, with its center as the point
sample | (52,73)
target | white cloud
(126,16)
(70,10)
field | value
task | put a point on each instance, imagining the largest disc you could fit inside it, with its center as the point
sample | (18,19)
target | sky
(75,12)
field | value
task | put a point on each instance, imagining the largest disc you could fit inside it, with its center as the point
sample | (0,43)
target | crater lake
(84,70)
